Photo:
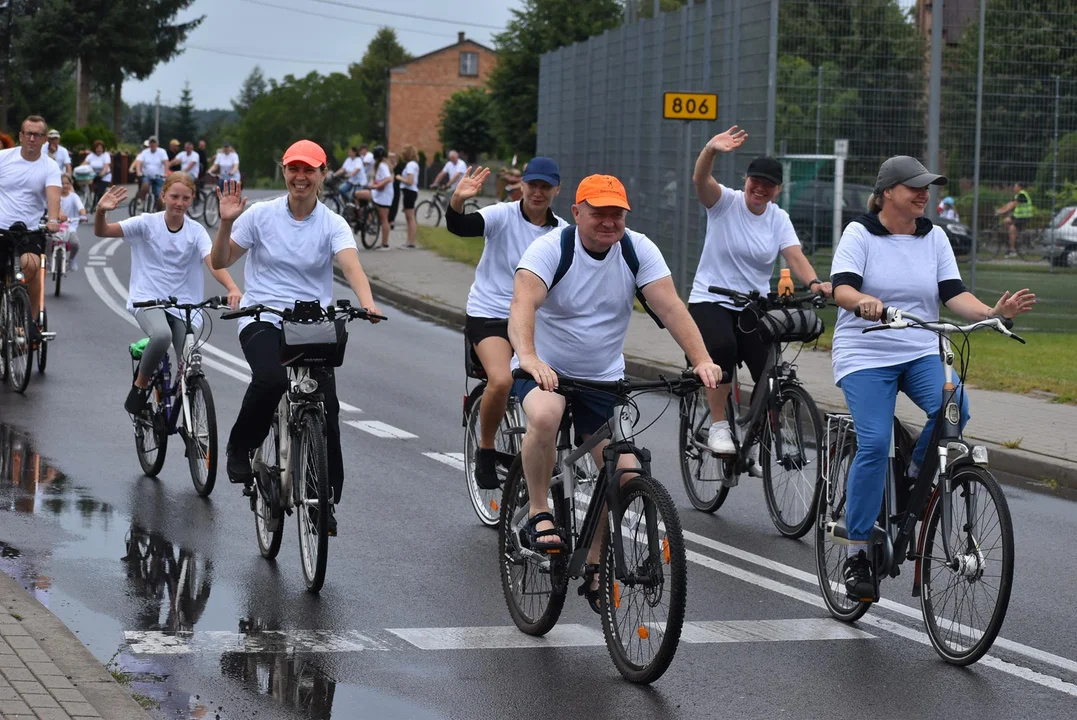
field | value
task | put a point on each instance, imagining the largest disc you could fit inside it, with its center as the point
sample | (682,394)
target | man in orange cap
(584,278)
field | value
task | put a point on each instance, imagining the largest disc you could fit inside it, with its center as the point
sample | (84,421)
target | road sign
(690,106)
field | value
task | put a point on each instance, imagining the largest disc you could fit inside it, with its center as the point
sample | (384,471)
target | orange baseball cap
(306,152)
(602,191)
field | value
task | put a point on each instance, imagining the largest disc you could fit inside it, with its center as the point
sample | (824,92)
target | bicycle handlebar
(771,301)
(894,318)
(212,303)
(342,307)
(685,384)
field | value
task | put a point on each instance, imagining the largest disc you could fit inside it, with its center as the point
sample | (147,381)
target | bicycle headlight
(307,386)
(979,454)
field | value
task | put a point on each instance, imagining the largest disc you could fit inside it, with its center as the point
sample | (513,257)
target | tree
(538,27)
(467,123)
(253,88)
(372,72)
(186,127)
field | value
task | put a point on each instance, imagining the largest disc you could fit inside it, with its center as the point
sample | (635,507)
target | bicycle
(361,216)
(17,325)
(996,243)
(782,418)
(644,525)
(965,564)
(142,203)
(313,340)
(185,407)
(83,177)
(429,212)
(206,206)
(61,251)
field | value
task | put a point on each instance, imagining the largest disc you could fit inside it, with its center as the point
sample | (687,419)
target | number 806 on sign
(690,106)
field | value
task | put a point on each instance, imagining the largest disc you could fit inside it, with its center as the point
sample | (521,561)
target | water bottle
(785,284)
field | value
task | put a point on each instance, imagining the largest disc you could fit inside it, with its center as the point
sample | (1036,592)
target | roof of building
(461,41)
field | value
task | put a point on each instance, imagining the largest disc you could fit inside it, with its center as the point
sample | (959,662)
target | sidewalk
(425,283)
(46,673)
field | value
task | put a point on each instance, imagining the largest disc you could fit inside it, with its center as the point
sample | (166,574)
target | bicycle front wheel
(151,438)
(428,213)
(369,227)
(964,602)
(701,470)
(314,499)
(202,437)
(43,347)
(212,213)
(18,349)
(830,557)
(59,265)
(643,612)
(789,454)
(268,522)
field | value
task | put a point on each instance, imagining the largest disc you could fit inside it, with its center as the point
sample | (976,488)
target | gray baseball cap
(905,170)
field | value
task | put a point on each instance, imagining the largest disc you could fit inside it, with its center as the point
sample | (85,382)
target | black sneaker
(136,400)
(238,466)
(859,583)
(486,469)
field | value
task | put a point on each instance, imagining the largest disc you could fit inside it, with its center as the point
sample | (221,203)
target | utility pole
(935,99)
(157,118)
(78,84)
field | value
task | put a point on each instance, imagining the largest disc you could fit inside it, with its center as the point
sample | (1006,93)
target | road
(411,622)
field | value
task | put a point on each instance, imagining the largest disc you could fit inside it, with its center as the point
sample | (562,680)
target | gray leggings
(160,327)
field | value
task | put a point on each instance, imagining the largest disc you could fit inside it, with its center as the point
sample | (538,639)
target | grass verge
(449,246)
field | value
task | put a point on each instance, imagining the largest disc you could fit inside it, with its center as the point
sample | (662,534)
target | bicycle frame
(293,404)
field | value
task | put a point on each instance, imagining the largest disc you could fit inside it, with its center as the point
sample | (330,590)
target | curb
(67,652)
(1022,465)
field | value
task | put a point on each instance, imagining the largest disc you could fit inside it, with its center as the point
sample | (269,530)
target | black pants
(99,188)
(731,337)
(395,205)
(269,381)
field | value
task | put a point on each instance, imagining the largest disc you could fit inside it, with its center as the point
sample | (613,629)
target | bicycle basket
(83,173)
(472,366)
(313,344)
(792,325)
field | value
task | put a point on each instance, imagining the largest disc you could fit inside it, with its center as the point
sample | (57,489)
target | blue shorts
(155,183)
(590,408)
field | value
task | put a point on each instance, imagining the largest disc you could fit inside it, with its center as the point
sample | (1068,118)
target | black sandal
(533,534)
(585,591)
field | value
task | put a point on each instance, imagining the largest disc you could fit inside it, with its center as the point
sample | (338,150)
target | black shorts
(383,207)
(410,196)
(1020,223)
(731,337)
(477,330)
(590,408)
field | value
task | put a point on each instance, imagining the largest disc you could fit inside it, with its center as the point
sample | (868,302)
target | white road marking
(214,642)
(97,246)
(499,638)
(111,249)
(739,631)
(453,460)
(380,429)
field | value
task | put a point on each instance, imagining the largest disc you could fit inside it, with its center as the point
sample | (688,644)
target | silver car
(1060,238)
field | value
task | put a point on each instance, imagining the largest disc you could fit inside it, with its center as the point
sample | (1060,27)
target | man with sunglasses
(30,184)
(746,232)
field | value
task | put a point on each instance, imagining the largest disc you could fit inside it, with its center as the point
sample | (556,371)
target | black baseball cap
(767,168)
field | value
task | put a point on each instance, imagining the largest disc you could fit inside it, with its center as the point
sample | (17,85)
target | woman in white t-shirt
(381,191)
(292,242)
(409,189)
(746,232)
(72,212)
(101,163)
(168,251)
(225,166)
(894,256)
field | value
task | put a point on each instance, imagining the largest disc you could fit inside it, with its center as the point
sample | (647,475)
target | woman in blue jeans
(894,256)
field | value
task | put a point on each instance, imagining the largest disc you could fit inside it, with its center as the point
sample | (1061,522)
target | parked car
(812,209)
(959,235)
(1060,238)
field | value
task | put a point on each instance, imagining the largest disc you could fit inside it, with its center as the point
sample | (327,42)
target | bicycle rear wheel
(212,213)
(369,227)
(534,587)
(964,605)
(268,522)
(428,213)
(791,480)
(151,438)
(701,470)
(487,503)
(59,265)
(18,350)
(314,498)
(43,347)
(830,557)
(642,614)
(202,437)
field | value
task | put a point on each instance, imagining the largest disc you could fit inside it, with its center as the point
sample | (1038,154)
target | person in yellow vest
(1017,213)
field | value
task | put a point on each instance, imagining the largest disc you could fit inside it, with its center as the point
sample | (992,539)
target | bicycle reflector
(308,385)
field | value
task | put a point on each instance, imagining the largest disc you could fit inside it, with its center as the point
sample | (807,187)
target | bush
(75,140)
(98,132)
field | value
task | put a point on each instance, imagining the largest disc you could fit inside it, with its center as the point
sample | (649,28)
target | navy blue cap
(542,168)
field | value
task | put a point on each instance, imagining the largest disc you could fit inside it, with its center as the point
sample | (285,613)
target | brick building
(419,88)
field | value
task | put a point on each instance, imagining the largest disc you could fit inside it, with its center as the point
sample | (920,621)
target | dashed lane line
(453,460)
(380,429)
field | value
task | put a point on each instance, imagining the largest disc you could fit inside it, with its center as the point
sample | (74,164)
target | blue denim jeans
(871,395)
(155,183)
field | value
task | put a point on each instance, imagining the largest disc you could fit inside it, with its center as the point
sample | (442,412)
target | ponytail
(875,203)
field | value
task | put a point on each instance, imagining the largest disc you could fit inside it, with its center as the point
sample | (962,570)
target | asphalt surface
(170,587)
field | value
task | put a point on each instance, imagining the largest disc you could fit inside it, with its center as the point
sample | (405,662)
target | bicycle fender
(469,402)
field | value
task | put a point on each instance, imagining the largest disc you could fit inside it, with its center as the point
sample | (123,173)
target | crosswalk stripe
(380,429)
(453,460)
(266,641)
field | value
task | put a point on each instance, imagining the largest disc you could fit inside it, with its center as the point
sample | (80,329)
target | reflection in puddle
(173,581)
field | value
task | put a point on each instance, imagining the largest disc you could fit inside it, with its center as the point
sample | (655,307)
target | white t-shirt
(508,234)
(903,271)
(22,187)
(385,195)
(71,206)
(166,263)
(412,169)
(98,163)
(188,157)
(354,172)
(458,169)
(368,163)
(580,329)
(949,214)
(740,247)
(226,165)
(288,259)
(62,158)
(153,162)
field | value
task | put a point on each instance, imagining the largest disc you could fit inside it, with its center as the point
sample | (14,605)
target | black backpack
(628,252)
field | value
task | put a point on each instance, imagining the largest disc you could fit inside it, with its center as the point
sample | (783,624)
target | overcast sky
(298,36)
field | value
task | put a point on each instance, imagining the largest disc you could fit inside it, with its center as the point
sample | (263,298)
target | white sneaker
(720,439)
(754,468)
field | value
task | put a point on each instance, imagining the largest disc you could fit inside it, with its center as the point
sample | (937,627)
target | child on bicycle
(72,208)
(168,250)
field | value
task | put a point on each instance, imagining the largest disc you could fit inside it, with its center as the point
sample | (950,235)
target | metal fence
(600,111)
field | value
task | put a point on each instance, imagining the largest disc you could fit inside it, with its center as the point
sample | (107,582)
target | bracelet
(816,281)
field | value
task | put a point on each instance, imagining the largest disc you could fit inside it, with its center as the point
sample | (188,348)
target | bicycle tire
(151,426)
(794,521)
(332,202)
(1028,246)
(202,458)
(537,618)
(268,535)
(428,213)
(830,558)
(369,227)
(4,322)
(197,208)
(211,215)
(941,633)
(658,509)
(695,462)
(311,478)
(43,347)
(471,206)
(19,351)
(487,503)
(58,268)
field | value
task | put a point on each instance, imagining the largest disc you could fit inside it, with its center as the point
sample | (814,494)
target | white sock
(913,470)
(852,549)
